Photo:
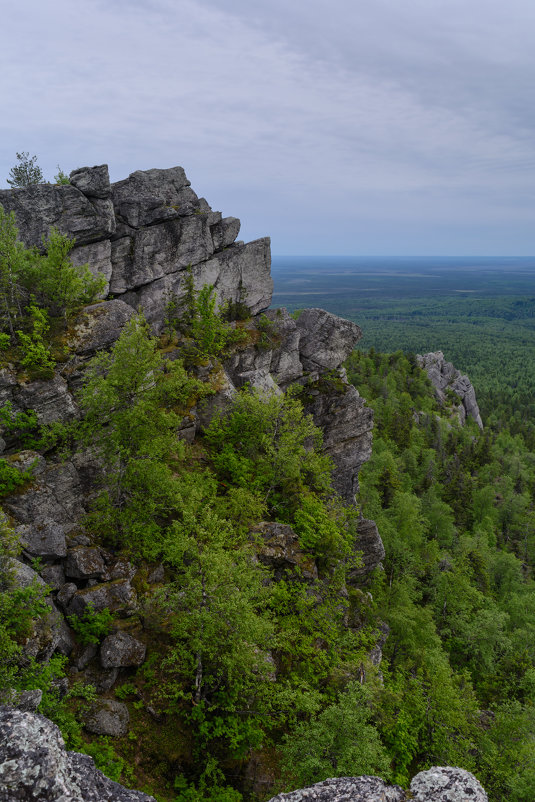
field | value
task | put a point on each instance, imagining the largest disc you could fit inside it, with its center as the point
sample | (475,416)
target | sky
(333,126)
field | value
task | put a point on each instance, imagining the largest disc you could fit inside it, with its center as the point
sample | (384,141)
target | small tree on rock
(26,173)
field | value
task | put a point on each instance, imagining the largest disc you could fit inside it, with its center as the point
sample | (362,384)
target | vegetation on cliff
(262,654)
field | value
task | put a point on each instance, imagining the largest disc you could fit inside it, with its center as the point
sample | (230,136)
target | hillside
(221,590)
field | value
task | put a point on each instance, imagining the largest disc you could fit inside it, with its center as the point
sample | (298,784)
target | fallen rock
(108,717)
(84,562)
(116,596)
(121,650)
(46,539)
(34,765)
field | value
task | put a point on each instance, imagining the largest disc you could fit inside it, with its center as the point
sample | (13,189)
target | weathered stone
(108,717)
(246,267)
(117,595)
(346,789)
(165,248)
(53,575)
(119,569)
(121,650)
(99,326)
(346,422)
(218,403)
(40,207)
(224,232)
(147,197)
(85,656)
(98,256)
(446,784)
(65,594)
(285,366)
(50,399)
(84,562)
(371,546)
(34,765)
(326,340)
(102,679)
(92,181)
(46,539)
(23,575)
(278,548)
(55,496)
(444,376)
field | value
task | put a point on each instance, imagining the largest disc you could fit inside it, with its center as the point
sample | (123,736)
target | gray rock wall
(142,234)
(443,376)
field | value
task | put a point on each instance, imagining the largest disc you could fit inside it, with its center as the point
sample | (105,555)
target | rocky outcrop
(144,234)
(435,785)
(443,376)
(34,765)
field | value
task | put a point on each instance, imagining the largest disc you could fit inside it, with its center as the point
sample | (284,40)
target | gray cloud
(338,127)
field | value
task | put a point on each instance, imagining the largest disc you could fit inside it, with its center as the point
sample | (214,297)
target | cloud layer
(340,127)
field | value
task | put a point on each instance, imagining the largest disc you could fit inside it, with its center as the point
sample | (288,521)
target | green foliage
(339,742)
(106,758)
(13,260)
(206,328)
(61,177)
(11,477)
(58,285)
(26,172)
(92,625)
(36,354)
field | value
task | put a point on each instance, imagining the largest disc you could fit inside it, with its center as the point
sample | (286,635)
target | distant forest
(480,313)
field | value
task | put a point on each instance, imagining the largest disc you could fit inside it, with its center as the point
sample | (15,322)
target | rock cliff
(443,376)
(149,235)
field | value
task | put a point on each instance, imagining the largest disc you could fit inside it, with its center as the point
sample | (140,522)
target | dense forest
(246,666)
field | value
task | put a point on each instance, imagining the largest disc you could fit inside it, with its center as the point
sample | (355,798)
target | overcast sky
(334,126)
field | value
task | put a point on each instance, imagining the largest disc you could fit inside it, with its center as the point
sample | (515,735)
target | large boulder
(107,717)
(121,650)
(435,785)
(34,765)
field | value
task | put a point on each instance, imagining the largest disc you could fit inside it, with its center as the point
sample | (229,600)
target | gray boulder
(435,785)
(326,340)
(108,717)
(121,650)
(99,326)
(116,596)
(84,562)
(50,399)
(147,197)
(446,784)
(346,789)
(44,539)
(34,765)
(92,181)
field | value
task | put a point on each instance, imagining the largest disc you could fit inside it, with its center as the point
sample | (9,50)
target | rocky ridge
(148,234)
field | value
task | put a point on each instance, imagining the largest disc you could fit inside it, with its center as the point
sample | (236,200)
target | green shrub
(92,625)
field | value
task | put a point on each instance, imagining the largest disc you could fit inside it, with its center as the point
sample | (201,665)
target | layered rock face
(443,376)
(142,234)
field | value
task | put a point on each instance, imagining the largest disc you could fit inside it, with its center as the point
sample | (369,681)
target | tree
(26,173)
